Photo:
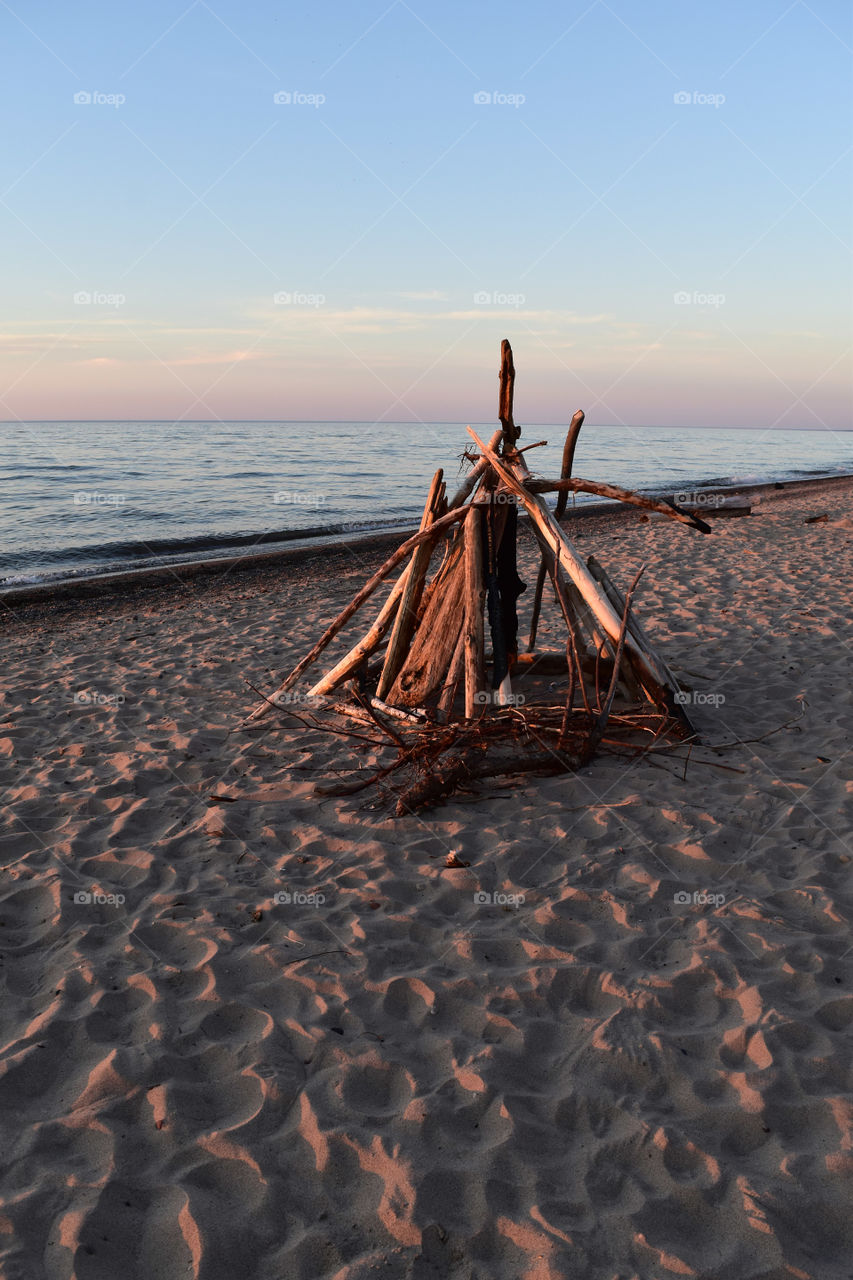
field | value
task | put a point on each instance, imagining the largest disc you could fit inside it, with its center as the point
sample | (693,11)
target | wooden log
(434,642)
(444,523)
(475,596)
(647,666)
(454,675)
(510,430)
(406,619)
(568,458)
(565,472)
(455,770)
(577,485)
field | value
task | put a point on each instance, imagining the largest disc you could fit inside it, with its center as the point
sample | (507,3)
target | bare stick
(404,624)
(602,490)
(475,595)
(623,631)
(510,430)
(568,458)
(565,471)
(374,715)
(366,591)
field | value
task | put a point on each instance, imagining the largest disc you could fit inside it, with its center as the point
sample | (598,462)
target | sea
(84,498)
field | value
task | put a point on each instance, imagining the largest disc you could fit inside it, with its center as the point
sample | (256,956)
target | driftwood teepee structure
(456,709)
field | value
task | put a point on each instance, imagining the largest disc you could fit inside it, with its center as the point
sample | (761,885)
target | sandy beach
(631,1062)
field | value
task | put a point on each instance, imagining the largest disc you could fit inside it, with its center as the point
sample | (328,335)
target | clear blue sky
(388,209)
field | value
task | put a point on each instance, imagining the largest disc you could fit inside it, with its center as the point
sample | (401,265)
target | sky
(338,210)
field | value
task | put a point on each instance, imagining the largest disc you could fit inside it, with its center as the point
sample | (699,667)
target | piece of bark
(434,642)
(454,675)
(475,595)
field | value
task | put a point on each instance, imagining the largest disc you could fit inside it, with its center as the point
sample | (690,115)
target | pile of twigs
(432,761)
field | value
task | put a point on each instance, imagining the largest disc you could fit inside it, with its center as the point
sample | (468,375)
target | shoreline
(99,586)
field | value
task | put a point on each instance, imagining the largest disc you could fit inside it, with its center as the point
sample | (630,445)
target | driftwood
(559,511)
(433,645)
(454,675)
(357,601)
(434,613)
(457,770)
(475,594)
(510,430)
(568,459)
(648,669)
(576,485)
(404,624)
(474,476)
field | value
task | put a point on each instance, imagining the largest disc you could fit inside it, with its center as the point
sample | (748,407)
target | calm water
(84,497)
